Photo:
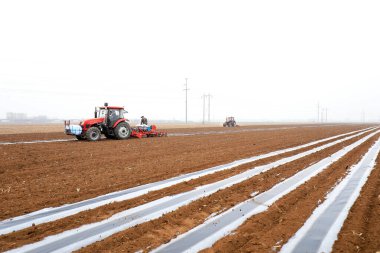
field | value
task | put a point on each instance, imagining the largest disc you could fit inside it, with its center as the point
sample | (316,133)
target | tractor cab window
(123,114)
(102,113)
(114,114)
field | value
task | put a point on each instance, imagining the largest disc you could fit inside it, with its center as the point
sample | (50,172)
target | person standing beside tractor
(144,121)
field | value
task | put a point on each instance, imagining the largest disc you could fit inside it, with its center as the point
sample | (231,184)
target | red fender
(117,122)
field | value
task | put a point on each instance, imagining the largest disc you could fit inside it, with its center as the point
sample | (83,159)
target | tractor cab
(110,114)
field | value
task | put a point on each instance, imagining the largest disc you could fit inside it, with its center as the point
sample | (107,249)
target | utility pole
(204,108)
(186,89)
(318,114)
(209,98)
(322,113)
(326,115)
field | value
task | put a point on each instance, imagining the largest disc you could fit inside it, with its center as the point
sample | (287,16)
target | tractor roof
(111,107)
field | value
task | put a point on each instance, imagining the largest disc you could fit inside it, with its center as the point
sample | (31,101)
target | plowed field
(34,176)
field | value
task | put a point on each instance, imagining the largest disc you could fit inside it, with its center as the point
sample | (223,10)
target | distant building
(40,118)
(12,116)
(23,118)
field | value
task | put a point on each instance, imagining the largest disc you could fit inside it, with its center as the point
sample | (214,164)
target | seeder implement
(147,131)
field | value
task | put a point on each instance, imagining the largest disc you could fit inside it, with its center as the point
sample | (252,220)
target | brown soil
(17,133)
(13,133)
(50,174)
(7,129)
(361,230)
(14,129)
(152,234)
(35,176)
(40,231)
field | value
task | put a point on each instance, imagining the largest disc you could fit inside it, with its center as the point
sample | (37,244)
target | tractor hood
(89,122)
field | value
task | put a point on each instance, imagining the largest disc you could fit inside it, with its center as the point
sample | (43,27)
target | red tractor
(110,121)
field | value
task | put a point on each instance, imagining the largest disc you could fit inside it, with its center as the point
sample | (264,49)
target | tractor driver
(144,121)
(113,116)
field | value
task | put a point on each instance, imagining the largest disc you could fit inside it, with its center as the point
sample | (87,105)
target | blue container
(75,129)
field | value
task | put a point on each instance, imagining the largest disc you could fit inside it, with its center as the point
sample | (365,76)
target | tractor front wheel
(122,131)
(93,134)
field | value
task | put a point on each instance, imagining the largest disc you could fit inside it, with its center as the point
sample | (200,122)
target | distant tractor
(110,121)
(230,122)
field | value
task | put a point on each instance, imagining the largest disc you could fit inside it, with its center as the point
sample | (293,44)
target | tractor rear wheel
(93,134)
(122,131)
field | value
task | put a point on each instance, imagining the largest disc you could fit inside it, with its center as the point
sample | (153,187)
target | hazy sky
(260,60)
